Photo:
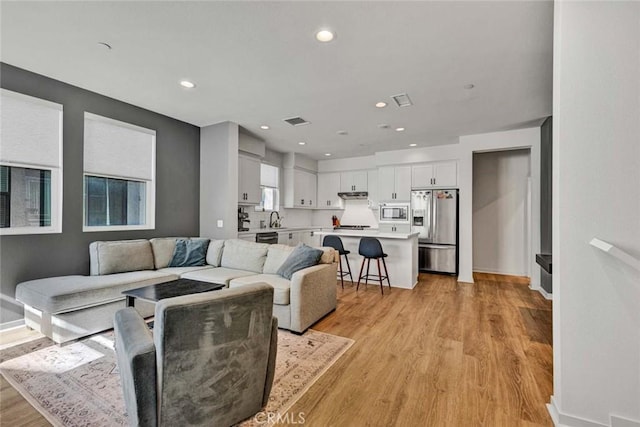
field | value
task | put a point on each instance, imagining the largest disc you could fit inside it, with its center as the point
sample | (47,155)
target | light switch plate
(220,223)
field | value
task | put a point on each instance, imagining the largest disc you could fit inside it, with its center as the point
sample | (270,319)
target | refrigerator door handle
(434,222)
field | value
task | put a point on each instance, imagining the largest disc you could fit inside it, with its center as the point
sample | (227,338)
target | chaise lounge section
(70,307)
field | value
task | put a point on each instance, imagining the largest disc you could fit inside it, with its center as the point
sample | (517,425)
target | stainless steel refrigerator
(434,214)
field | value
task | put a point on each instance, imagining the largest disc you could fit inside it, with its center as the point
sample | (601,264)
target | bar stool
(336,243)
(370,248)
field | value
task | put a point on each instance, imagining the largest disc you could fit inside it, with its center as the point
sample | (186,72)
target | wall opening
(501,212)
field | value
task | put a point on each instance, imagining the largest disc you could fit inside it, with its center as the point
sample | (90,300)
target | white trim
(617,421)
(94,228)
(565,420)
(544,293)
(14,324)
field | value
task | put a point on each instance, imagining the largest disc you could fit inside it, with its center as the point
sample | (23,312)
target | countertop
(280,229)
(370,233)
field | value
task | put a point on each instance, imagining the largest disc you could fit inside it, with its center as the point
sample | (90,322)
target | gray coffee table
(175,288)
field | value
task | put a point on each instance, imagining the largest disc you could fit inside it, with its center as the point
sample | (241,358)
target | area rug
(78,384)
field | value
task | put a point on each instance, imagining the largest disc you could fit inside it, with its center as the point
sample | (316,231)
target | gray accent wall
(26,257)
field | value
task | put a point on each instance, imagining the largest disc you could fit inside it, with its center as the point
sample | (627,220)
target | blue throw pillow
(189,253)
(302,256)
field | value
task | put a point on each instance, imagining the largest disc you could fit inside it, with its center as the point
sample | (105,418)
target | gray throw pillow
(302,256)
(189,253)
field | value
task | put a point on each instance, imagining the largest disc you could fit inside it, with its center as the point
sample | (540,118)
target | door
(437,258)
(386,183)
(402,178)
(445,212)
(421,176)
(446,174)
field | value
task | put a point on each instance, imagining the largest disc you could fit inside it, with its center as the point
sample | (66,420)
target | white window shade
(118,149)
(268,176)
(30,131)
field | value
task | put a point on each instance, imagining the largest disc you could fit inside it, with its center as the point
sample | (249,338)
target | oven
(267,237)
(396,213)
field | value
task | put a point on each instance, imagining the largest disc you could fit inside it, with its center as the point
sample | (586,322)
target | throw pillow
(302,256)
(189,253)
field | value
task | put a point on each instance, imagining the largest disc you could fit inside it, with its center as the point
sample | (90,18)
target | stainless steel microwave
(397,213)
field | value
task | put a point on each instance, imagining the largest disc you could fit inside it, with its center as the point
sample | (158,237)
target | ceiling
(258,62)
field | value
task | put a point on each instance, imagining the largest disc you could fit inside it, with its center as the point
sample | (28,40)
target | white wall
(500,212)
(219,180)
(596,192)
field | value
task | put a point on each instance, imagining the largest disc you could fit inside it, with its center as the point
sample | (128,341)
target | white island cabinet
(401,248)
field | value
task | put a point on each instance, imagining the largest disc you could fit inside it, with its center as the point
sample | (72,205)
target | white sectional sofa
(70,307)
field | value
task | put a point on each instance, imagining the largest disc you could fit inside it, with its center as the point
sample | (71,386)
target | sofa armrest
(136,356)
(313,295)
(271,363)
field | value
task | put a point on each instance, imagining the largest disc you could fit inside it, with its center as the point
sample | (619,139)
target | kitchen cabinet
(372,182)
(249,192)
(248,237)
(394,183)
(300,189)
(394,228)
(310,237)
(353,181)
(432,175)
(328,189)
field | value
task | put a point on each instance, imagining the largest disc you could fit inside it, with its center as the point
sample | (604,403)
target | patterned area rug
(78,384)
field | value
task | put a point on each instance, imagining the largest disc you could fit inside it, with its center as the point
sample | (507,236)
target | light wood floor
(442,354)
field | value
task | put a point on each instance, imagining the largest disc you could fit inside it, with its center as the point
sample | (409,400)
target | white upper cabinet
(353,181)
(394,183)
(431,175)
(300,189)
(249,192)
(372,180)
(328,189)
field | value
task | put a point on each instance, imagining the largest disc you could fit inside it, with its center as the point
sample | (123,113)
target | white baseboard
(11,325)
(566,420)
(544,293)
(617,421)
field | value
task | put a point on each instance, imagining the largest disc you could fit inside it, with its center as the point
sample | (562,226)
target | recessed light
(381,104)
(399,129)
(265,127)
(302,143)
(469,86)
(324,36)
(187,84)
(413,145)
(327,154)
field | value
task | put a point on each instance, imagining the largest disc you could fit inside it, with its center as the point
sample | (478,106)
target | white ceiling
(258,63)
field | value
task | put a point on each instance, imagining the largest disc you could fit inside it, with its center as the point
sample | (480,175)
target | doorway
(501,212)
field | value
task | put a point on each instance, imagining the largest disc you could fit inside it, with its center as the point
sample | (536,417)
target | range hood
(354,195)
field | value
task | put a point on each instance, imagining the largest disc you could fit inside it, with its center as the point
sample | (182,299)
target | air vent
(296,121)
(402,100)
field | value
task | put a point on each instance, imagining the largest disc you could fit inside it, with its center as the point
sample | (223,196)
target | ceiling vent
(402,100)
(296,121)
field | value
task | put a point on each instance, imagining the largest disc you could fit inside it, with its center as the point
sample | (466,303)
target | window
(269,178)
(119,175)
(30,165)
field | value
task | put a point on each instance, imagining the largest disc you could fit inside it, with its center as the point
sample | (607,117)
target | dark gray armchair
(210,360)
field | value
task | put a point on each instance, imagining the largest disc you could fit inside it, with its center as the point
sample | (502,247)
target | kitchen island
(401,248)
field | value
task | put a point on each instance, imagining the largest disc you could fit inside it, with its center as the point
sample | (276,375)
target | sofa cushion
(120,256)
(214,253)
(179,271)
(302,256)
(189,253)
(243,255)
(329,255)
(276,255)
(220,275)
(281,286)
(68,293)
(162,248)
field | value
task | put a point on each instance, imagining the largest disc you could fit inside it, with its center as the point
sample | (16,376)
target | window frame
(150,185)
(56,173)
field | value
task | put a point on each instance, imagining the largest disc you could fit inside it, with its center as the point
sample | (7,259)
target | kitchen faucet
(273,223)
